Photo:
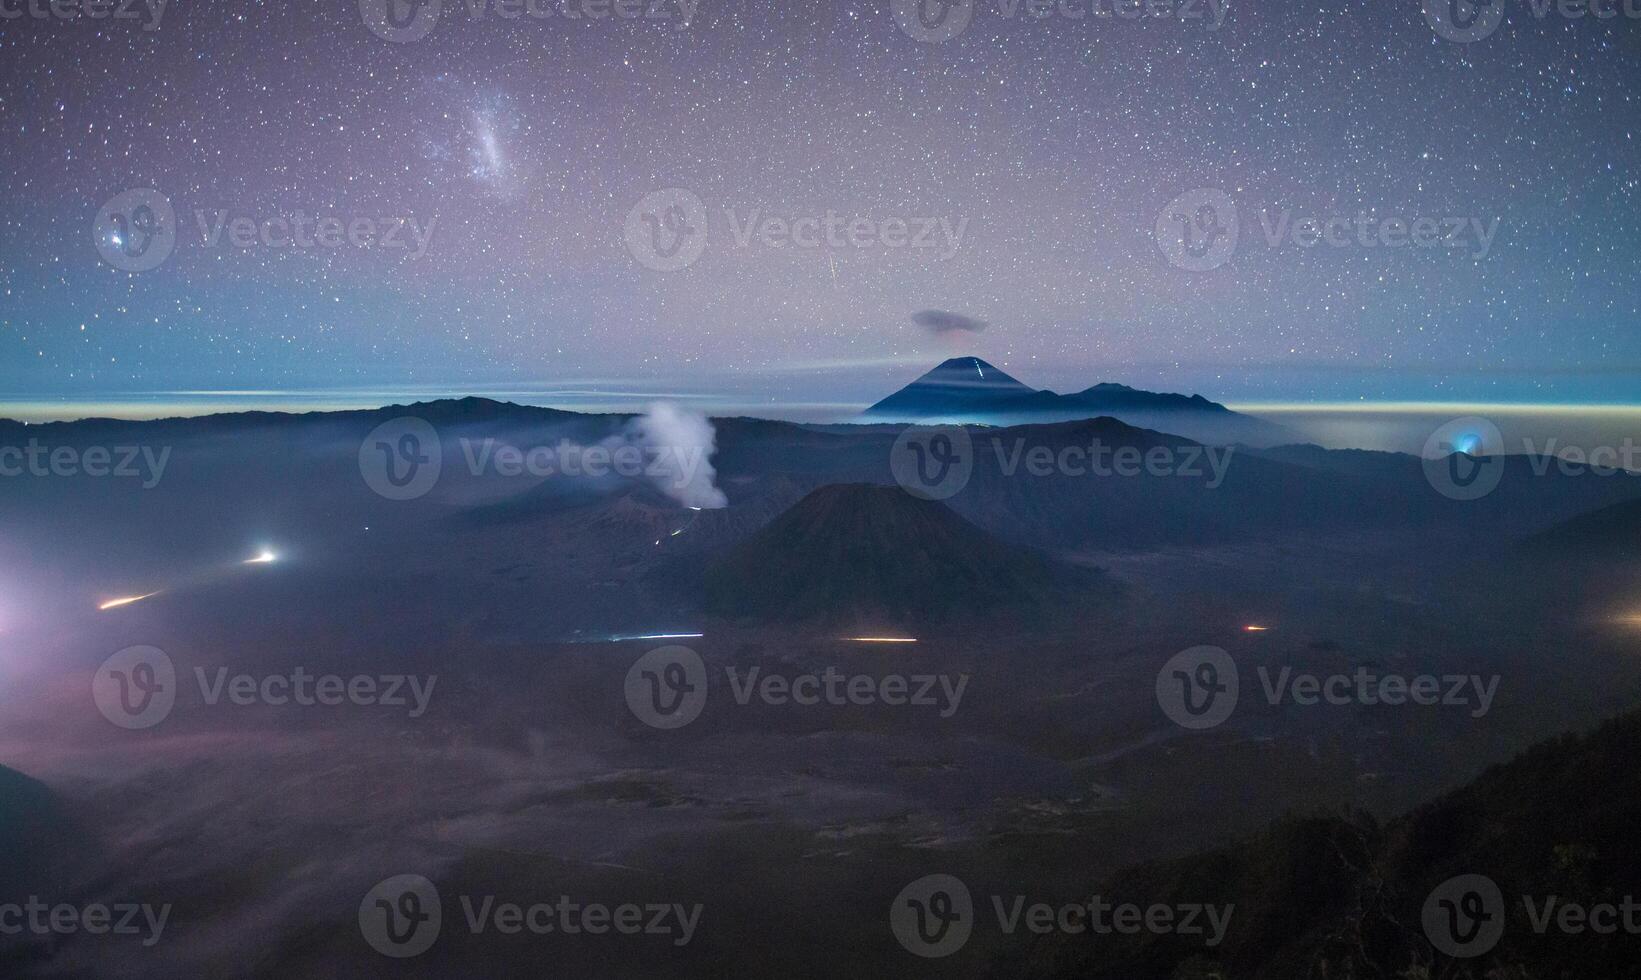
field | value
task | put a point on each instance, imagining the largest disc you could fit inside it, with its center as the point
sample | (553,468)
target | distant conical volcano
(967,389)
(960,385)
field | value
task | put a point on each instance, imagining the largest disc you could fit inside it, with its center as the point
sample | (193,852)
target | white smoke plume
(678,445)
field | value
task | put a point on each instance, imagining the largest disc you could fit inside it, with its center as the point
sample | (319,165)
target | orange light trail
(128,600)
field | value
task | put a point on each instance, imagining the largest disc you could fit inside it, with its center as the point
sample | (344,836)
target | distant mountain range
(968,389)
(225,466)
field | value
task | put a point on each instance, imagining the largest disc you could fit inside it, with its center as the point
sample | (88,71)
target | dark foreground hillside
(1342,897)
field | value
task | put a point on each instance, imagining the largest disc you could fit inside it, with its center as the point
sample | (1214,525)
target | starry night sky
(1058,142)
